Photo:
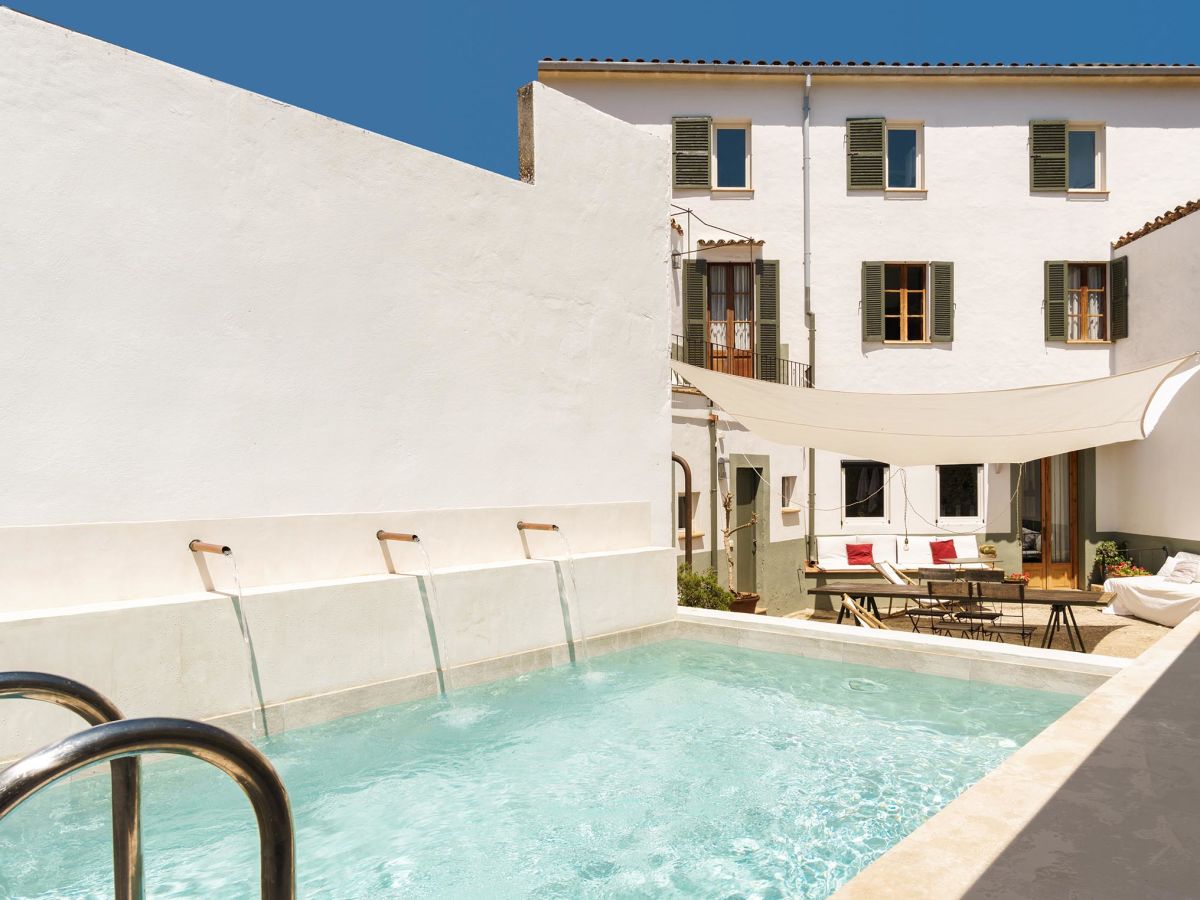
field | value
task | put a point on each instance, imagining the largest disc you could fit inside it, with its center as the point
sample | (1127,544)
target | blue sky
(443,74)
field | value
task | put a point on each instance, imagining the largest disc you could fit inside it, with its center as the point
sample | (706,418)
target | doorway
(1050,521)
(745,542)
(731,318)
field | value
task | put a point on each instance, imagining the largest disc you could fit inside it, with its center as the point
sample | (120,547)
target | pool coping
(1046,823)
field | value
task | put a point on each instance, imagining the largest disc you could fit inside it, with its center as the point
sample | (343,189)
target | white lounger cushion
(918,552)
(831,550)
(1153,598)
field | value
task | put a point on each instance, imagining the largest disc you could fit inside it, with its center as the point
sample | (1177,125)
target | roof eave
(801,69)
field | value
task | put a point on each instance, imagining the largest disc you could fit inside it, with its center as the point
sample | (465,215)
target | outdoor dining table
(1060,600)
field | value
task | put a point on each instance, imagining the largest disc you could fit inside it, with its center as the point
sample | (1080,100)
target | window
(904,302)
(1087,306)
(863,493)
(787,489)
(732,156)
(904,157)
(1083,158)
(959,490)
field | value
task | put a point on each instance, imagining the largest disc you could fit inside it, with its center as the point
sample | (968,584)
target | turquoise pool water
(678,769)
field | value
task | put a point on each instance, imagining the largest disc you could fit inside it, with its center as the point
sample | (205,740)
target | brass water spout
(199,546)
(396,536)
(536,526)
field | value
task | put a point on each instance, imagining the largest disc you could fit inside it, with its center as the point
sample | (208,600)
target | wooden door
(731,318)
(1049,528)
(745,546)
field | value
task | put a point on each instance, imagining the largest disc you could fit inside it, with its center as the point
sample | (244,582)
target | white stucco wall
(1145,487)
(218,305)
(978,213)
(229,319)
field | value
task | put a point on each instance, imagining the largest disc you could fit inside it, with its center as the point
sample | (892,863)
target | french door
(1050,521)
(731,318)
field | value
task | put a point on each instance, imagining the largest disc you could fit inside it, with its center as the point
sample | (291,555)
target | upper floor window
(1087,303)
(883,154)
(904,309)
(1066,156)
(904,152)
(731,155)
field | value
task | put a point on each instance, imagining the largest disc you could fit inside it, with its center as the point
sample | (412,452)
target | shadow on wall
(1124,824)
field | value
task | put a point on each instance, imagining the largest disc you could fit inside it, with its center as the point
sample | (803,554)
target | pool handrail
(96,709)
(124,738)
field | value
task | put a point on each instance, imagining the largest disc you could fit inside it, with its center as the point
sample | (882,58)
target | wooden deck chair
(861,616)
(892,575)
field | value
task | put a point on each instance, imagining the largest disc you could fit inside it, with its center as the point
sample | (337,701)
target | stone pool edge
(952,852)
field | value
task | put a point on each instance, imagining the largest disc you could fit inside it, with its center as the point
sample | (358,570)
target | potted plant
(743,601)
(1016,578)
(1125,569)
(701,591)
(1108,555)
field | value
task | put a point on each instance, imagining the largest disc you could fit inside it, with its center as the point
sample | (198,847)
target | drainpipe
(687,493)
(712,484)
(810,319)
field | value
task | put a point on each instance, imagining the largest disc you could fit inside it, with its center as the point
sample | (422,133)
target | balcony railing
(747,363)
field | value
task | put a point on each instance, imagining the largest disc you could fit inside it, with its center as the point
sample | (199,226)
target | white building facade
(960,221)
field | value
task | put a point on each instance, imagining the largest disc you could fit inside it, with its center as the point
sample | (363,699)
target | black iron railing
(734,361)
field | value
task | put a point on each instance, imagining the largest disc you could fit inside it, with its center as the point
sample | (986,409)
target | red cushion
(943,551)
(860,554)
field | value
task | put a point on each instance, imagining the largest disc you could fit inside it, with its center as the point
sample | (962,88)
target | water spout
(577,633)
(430,602)
(198,546)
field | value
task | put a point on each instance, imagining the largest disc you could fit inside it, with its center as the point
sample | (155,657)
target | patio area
(1104,634)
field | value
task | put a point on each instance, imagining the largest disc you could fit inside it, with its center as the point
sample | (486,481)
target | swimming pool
(681,768)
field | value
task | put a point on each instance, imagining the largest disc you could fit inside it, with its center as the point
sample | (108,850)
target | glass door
(731,318)
(1050,521)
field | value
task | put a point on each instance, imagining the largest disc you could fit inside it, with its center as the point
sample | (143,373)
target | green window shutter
(1047,156)
(864,154)
(872,301)
(941,302)
(1055,302)
(766,317)
(691,145)
(1118,304)
(695,311)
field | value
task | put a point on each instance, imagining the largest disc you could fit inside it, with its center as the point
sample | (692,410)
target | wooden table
(1060,600)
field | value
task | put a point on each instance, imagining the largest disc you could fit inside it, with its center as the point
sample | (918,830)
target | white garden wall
(230,319)
(1146,488)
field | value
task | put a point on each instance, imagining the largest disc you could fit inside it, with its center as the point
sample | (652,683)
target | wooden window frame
(731,125)
(1098,129)
(904,292)
(1083,317)
(885,490)
(980,495)
(919,127)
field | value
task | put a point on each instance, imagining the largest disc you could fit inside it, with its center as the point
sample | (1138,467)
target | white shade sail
(929,429)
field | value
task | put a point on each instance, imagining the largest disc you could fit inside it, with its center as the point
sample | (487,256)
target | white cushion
(1185,572)
(831,550)
(917,553)
(1167,567)
(883,546)
(1180,557)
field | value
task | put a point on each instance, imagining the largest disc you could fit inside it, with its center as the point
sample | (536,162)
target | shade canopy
(930,429)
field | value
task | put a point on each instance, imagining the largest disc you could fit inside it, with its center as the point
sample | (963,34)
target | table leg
(1051,625)
(873,607)
(1073,623)
(841,614)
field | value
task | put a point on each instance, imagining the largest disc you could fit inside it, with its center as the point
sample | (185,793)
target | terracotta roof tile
(1173,215)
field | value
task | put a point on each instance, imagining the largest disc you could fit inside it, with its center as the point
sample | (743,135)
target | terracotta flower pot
(744,603)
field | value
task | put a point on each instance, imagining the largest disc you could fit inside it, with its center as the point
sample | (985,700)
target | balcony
(747,363)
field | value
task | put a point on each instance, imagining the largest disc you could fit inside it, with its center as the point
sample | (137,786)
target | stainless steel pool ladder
(119,741)
(96,709)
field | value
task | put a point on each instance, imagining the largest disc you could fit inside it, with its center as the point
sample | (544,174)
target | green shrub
(702,591)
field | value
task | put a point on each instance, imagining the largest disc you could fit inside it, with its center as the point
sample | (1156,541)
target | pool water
(678,769)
